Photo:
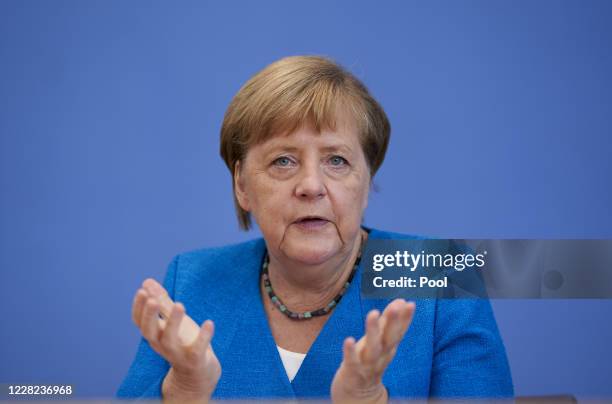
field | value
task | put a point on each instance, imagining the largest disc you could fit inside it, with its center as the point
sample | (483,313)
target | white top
(291,361)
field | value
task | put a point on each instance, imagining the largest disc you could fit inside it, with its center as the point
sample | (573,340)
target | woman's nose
(311,184)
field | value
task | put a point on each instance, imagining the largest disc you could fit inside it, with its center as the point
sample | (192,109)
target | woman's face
(307,192)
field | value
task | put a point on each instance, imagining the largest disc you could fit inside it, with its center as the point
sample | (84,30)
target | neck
(310,287)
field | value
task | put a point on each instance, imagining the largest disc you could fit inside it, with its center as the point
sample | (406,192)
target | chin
(311,251)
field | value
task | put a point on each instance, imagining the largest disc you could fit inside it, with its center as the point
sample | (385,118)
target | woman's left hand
(359,378)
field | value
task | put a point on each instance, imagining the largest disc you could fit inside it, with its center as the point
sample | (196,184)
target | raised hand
(359,377)
(175,336)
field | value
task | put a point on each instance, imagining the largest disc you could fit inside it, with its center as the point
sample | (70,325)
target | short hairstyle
(295,91)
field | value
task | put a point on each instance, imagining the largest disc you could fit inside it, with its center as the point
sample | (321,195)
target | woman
(303,139)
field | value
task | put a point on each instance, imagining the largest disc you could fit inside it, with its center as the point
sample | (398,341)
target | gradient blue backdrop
(109,120)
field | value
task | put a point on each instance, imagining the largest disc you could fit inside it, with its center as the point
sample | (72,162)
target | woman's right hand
(175,336)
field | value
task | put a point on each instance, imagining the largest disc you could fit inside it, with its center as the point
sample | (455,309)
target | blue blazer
(452,349)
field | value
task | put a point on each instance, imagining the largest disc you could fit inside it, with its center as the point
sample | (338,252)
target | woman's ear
(240,189)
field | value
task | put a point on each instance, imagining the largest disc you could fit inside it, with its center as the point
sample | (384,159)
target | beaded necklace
(307,314)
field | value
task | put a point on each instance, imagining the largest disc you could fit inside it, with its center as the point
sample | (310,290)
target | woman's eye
(337,161)
(282,162)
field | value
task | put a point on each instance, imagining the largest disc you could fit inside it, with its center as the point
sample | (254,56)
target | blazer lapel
(243,341)
(315,376)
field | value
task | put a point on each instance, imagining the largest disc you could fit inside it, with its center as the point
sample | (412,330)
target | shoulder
(386,235)
(225,255)
(212,269)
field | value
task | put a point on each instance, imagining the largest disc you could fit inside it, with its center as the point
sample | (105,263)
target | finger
(137,305)
(350,352)
(207,331)
(399,319)
(153,287)
(391,325)
(158,292)
(149,322)
(373,344)
(406,316)
(188,329)
(169,338)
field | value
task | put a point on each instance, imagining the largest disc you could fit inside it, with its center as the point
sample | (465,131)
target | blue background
(109,120)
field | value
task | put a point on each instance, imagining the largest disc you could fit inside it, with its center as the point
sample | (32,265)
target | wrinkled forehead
(343,137)
(338,124)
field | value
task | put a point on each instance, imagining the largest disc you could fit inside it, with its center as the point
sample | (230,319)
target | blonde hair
(295,91)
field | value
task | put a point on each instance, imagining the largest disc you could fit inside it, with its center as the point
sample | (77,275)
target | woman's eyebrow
(283,148)
(337,148)
(293,149)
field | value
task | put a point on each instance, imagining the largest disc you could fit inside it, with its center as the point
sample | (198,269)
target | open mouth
(311,222)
